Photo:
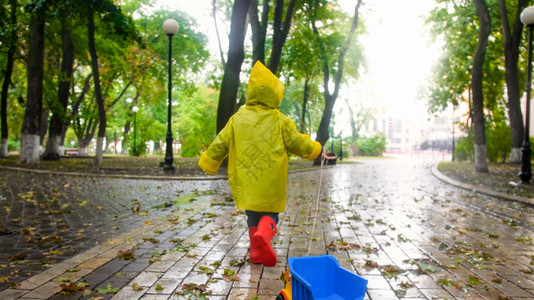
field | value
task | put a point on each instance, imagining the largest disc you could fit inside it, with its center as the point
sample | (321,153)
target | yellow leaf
(147,222)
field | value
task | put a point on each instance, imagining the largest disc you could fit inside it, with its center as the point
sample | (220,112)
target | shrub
(373,146)
(465,148)
(498,144)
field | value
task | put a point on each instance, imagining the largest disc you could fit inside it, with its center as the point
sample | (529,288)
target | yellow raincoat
(256,140)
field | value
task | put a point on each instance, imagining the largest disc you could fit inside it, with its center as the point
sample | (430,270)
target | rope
(317,203)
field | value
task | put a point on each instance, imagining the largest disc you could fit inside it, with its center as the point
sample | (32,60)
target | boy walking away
(256,140)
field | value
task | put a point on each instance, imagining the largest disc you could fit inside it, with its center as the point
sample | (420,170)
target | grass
(502,178)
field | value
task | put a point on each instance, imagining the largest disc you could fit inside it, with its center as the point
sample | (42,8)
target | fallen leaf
(125,255)
(108,290)
(71,288)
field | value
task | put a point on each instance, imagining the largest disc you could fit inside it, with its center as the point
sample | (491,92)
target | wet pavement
(411,235)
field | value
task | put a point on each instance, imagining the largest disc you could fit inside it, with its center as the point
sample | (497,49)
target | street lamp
(527,17)
(135,109)
(170,27)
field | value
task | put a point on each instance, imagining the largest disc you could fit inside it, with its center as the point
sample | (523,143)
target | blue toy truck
(320,278)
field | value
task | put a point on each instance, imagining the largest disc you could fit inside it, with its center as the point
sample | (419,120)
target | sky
(398,50)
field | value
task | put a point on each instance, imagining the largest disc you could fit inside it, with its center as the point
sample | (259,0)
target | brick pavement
(409,234)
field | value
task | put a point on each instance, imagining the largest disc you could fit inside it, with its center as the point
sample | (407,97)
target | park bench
(71,151)
(331,158)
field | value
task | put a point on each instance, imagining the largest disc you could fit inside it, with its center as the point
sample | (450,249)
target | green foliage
(333,145)
(302,55)
(465,147)
(373,146)
(132,52)
(455,22)
(13,145)
(196,123)
(292,105)
(498,140)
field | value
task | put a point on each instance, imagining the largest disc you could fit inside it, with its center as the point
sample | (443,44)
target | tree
(337,68)
(301,70)
(12,44)
(358,119)
(455,24)
(96,79)
(512,41)
(214,15)
(29,152)
(59,111)
(280,30)
(481,164)
(232,69)
(196,114)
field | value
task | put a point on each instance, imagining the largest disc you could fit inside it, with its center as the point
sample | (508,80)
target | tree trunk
(481,164)
(55,133)
(305,97)
(99,147)
(59,118)
(330,98)
(29,152)
(353,130)
(3,148)
(214,11)
(82,150)
(76,106)
(98,91)
(259,29)
(7,77)
(236,54)
(43,126)
(512,40)
(84,142)
(280,32)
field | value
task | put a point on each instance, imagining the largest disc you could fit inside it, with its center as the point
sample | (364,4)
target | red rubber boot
(261,242)
(255,255)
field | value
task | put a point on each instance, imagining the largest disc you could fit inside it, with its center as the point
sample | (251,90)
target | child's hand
(324,154)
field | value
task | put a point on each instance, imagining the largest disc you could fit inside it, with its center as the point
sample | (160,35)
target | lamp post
(527,17)
(135,109)
(170,27)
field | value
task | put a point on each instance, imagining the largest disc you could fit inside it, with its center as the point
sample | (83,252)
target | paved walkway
(410,234)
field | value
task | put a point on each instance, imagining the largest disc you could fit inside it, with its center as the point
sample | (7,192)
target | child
(256,140)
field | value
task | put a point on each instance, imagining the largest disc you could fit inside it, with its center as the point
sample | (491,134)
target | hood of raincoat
(264,88)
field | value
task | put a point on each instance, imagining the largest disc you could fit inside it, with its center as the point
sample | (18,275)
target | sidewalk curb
(122,176)
(477,189)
